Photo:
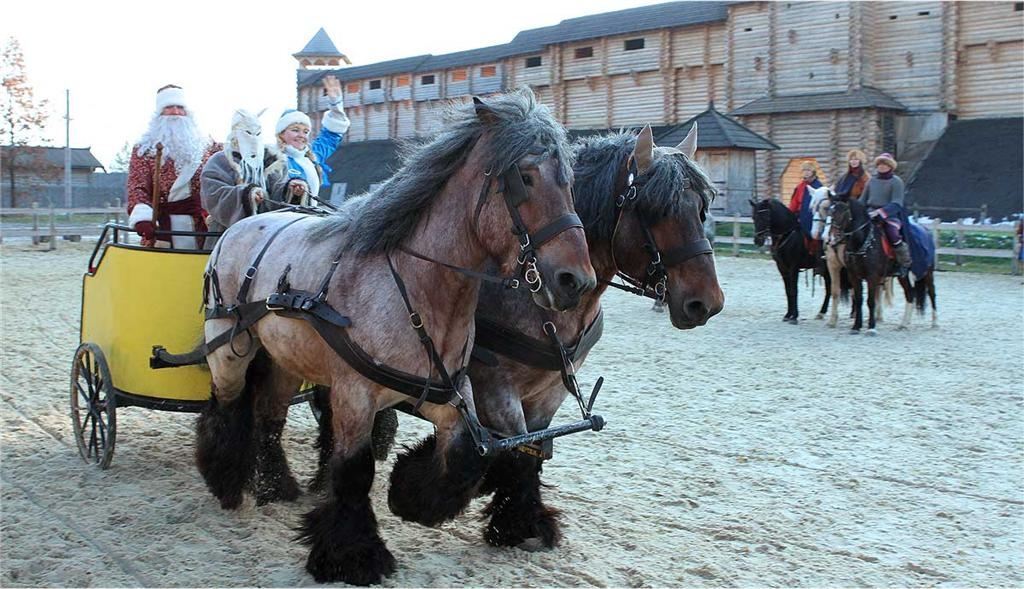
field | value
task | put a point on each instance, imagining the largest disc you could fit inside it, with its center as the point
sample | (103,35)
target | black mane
(598,162)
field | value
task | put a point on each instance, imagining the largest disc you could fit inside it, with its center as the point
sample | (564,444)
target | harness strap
(552,229)
(247,315)
(250,274)
(502,280)
(682,253)
(493,337)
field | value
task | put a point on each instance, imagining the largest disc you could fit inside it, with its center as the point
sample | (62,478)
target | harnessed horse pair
(419,213)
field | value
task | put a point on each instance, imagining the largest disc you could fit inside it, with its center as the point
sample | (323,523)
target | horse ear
(260,114)
(689,144)
(483,112)
(643,151)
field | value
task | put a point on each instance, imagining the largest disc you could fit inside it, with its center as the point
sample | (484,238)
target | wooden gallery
(771,84)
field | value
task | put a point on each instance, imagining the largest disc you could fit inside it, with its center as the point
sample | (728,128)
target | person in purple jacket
(307,162)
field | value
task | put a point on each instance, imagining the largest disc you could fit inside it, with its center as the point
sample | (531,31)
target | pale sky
(114,55)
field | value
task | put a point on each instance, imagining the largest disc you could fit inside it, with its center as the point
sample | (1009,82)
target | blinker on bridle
(655,283)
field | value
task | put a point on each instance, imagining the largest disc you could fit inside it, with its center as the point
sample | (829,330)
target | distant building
(816,79)
(36,174)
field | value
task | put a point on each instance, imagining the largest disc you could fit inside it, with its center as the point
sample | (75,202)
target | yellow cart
(133,298)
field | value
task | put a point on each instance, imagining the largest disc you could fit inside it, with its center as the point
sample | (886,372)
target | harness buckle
(512,283)
(550,328)
(416,320)
(272,307)
(250,273)
(532,277)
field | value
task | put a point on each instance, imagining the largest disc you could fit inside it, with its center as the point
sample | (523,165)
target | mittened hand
(146,230)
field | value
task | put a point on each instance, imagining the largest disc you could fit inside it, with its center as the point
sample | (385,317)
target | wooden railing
(48,224)
(936,227)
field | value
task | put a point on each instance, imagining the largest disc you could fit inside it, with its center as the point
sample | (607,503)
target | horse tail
(920,292)
(844,285)
(887,289)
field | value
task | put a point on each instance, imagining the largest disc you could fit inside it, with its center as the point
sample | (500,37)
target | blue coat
(323,147)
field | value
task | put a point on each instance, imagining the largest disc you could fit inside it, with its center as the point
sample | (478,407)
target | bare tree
(121,159)
(23,116)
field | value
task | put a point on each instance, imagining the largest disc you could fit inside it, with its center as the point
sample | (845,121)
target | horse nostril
(696,309)
(568,282)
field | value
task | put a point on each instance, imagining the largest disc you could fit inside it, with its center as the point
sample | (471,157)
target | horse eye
(703,215)
(527,180)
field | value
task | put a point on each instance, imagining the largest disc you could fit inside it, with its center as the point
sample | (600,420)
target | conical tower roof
(320,46)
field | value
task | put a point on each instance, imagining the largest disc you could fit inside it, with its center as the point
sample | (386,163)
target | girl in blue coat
(307,162)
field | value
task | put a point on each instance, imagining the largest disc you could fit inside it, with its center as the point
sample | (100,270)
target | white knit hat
(290,117)
(170,96)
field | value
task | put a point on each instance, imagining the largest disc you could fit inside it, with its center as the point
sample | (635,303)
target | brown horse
(642,207)
(397,276)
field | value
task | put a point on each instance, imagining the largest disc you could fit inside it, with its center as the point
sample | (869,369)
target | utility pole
(67,149)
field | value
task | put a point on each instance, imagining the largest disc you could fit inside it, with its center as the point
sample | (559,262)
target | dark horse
(642,208)
(772,218)
(404,263)
(866,261)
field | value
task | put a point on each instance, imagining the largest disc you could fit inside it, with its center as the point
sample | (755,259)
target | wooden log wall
(990,52)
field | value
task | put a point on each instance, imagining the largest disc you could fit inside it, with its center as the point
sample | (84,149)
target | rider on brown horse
(884,198)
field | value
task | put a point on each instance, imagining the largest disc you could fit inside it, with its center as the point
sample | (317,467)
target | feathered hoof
(385,426)
(871,332)
(524,530)
(364,564)
(424,491)
(283,489)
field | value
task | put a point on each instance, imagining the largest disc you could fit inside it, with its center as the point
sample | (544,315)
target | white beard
(182,140)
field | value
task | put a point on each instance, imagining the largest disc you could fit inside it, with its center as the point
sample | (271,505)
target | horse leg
(342,533)
(931,296)
(908,308)
(791,295)
(273,479)
(834,270)
(858,311)
(828,295)
(516,511)
(385,427)
(224,451)
(435,480)
(872,292)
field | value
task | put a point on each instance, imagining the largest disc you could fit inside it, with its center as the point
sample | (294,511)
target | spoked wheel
(93,405)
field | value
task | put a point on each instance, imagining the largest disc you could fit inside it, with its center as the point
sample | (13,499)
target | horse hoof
(854,331)
(901,328)
(831,324)
(819,317)
(871,332)
(793,321)
(287,489)
(355,565)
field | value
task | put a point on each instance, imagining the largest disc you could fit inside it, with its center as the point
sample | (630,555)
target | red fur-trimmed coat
(140,185)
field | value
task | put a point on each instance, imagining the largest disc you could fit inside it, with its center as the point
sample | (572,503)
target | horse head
(761,212)
(820,202)
(524,215)
(664,242)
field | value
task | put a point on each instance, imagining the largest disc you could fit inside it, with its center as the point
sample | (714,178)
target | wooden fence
(936,228)
(49,224)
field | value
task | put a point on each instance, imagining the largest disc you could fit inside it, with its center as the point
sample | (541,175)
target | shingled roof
(714,130)
(319,46)
(81,157)
(361,163)
(864,97)
(632,20)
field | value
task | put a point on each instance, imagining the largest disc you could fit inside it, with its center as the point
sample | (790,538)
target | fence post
(117,215)
(35,223)
(736,235)
(935,238)
(53,229)
(959,242)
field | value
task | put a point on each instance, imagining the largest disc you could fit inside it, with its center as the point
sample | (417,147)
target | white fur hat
(170,95)
(290,117)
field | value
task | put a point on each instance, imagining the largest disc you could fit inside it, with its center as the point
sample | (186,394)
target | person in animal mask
(307,160)
(245,178)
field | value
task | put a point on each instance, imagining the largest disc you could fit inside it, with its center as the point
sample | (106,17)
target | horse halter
(655,283)
(515,193)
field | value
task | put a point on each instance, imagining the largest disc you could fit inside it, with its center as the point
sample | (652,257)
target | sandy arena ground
(745,453)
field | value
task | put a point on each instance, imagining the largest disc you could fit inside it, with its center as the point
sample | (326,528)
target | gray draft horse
(445,204)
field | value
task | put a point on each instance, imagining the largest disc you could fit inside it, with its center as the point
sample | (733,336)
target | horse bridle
(655,283)
(767,231)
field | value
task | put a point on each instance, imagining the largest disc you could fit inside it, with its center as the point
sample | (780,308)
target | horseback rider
(183,150)
(307,164)
(800,204)
(884,198)
(852,183)
(245,178)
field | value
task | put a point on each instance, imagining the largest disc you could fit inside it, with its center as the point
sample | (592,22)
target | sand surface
(745,453)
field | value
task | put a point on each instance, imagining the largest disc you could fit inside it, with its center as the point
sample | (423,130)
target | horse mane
(381,219)
(599,159)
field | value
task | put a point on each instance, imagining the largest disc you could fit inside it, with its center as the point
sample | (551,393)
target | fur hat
(858,155)
(290,117)
(170,95)
(887,159)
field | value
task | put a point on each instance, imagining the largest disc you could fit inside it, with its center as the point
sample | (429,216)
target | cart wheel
(93,405)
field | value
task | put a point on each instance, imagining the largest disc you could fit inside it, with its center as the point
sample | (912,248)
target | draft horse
(373,301)
(643,209)
(772,218)
(866,261)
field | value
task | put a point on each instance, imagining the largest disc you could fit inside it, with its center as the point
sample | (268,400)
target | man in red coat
(185,150)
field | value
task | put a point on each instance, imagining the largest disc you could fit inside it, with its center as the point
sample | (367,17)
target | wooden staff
(156,189)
